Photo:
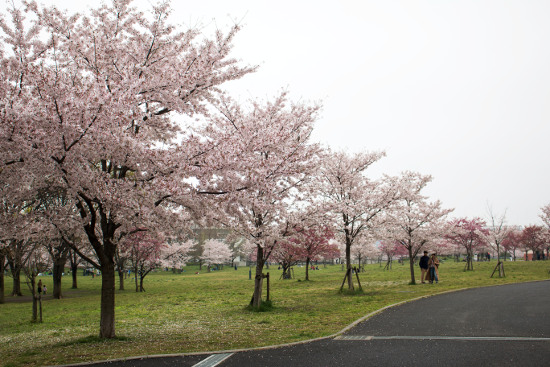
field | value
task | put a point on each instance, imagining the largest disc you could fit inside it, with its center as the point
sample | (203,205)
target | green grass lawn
(183,313)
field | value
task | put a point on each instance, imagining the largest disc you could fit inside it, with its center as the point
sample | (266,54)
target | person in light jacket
(433,265)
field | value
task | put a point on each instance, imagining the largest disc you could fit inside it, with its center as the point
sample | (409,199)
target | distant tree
(470,234)
(175,254)
(354,201)
(315,244)
(287,254)
(17,253)
(415,222)
(144,252)
(512,242)
(533,239)
(497,233)
(363,249)
(37,262)
(216,252)
(391,249)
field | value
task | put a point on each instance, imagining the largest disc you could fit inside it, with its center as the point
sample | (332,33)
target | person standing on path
(433,264)
(39,286)
(424,266)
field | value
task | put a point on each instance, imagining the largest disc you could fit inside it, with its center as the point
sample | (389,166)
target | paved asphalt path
(505,325)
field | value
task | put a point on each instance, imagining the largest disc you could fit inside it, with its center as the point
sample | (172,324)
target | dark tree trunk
(258,279)
(348,263)
(307,268)
(469,260)
(286,270)
(121,279)
(74,269)
(16,275)
(136,272)
(107,323)
(141,289)
(73,262)
(411,262)
(2,269)
(58,269)
(35,300)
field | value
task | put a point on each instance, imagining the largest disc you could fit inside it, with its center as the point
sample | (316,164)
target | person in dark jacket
(424,266)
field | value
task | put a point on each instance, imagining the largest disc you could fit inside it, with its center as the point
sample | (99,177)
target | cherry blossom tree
(354,200)
(511,243)
(533,239)
(313,235)
(215,252)
(176,254)
(363,249)
(143,250)
(92,107)
(287,254)
(37,262)
(470,234)
(415,222)
(391,249)
(498,230)
(259,184)
(18,251)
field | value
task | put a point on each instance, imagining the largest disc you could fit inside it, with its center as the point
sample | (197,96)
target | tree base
(265,306)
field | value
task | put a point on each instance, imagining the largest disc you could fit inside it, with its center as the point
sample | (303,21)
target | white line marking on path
(213,360)
(479,338)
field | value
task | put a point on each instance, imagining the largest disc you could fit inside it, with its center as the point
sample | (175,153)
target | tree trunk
(258,279)
(73,262)
(57,270)
(107,323)
(34,317)
(411,262)
(499,264)
(121,279)
(307,268)
(141,289)
(16,274)
(74,269)
(286,270)
(348,264)
(470,261)
(36,299)
(2,269)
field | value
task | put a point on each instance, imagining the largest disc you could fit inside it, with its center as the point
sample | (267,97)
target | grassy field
(183,313)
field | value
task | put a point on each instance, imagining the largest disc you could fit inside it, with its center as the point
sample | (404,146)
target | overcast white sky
(456,89)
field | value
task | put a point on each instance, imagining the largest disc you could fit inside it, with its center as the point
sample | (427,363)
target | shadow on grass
(265,306)
(352,292)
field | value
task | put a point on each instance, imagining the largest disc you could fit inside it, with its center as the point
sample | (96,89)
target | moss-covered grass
(187,312)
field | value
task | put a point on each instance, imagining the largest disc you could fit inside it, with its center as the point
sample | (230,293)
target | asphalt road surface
(505,325)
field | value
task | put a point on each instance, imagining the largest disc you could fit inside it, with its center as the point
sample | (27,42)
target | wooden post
(267,294)
(40,306)
(345,277)
(500,267)
(357,275)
